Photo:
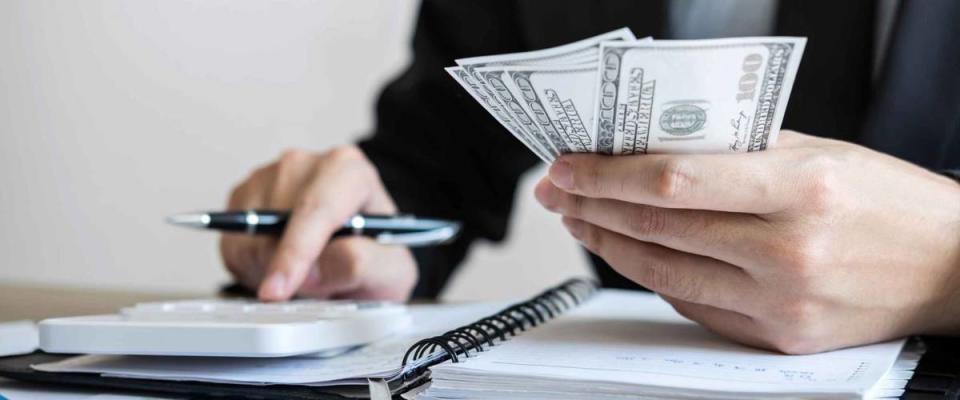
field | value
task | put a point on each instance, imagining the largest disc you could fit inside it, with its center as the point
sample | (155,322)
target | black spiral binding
(457,343)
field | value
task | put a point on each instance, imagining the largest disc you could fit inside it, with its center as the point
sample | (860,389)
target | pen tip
(190,220)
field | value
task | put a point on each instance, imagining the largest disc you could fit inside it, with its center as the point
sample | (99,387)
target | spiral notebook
(572,341)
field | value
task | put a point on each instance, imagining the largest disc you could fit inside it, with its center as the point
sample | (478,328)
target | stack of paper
(622,345)
(617,345)
(378,360)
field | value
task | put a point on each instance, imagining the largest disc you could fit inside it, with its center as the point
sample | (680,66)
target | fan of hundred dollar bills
(615,94)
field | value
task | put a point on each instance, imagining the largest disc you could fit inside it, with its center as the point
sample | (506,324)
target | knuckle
(353,160)
(646,221)
(293,156)
(822,193)
(801,256)
(673,179)
(346,155)
(290,160)
(824,190)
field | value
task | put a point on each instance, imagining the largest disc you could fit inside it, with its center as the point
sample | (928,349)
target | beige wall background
(116,113)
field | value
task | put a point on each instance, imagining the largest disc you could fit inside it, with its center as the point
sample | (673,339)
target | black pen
(406,230)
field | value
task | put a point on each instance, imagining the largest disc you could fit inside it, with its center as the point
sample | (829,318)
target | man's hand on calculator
(323,190)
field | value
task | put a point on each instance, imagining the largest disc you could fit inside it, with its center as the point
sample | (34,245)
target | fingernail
(547,194)
(561,173)
(574,226)
(275,287)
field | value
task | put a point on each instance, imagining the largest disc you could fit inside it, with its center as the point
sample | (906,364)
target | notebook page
(623,339)
(378,360)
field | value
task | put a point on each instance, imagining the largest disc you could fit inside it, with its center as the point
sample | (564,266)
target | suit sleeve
(439,153)
(953,173)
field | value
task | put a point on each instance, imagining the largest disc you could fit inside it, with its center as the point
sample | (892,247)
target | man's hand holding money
(812,245)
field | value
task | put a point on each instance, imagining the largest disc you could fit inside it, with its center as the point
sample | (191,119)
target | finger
(293,171)
(252,193)
(341,263)
(715,234)
(749,183)
(245,256)
(730,324)
(379,201)
(354,268)
(342,185)
(685,276)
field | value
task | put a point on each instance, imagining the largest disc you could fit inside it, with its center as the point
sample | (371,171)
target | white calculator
(226,328)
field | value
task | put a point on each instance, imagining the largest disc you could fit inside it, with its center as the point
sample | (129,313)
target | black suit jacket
(440,153)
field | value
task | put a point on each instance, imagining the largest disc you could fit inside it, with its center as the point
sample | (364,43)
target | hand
(813,245)
(323,190)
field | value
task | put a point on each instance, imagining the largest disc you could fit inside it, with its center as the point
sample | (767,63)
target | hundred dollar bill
(558,99)
(693,96)
(564,129)
(494,93)
(512,100)
(494,108)
(570,53)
